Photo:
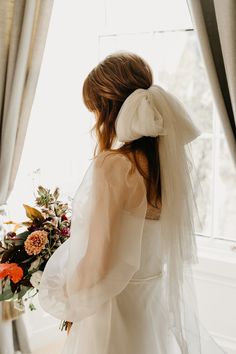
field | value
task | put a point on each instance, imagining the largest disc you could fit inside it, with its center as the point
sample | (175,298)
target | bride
(123,279)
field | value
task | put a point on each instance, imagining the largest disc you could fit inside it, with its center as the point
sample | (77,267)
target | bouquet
(25,250)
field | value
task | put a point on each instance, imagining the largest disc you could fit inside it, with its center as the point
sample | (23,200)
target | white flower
(36,278)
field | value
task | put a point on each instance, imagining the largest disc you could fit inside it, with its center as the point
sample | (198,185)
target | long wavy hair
(104,91)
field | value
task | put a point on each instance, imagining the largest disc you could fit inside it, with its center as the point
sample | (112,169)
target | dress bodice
(151,254)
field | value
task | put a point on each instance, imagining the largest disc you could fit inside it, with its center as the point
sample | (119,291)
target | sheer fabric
(156,112)
(95,264)
(110,277)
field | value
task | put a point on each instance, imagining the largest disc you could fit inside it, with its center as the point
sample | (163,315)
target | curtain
(23,32)
(215,24)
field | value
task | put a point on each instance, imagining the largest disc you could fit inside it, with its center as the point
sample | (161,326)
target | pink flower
(65,231)
(35,242)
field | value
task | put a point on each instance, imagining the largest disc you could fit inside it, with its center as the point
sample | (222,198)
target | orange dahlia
(12,270)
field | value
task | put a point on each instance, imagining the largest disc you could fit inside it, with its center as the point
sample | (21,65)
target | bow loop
(139,117)
(154,112)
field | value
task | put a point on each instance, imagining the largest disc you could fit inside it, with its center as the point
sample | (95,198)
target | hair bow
(139,117)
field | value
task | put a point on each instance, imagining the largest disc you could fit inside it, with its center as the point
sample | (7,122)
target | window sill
(217,260)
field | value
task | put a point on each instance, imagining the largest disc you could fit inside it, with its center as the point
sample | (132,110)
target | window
(58,145)
(163,34)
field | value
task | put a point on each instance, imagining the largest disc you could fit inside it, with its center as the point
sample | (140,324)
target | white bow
(145,113)
(139,117)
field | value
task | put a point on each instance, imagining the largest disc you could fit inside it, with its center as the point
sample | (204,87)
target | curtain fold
(215,24)
(23,32)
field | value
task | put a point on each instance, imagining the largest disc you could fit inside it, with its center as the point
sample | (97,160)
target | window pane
(136,16)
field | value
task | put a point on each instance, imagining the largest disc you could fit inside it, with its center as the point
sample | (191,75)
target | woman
(124,278)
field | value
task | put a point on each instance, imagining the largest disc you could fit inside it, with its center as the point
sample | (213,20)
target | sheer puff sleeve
(104,249)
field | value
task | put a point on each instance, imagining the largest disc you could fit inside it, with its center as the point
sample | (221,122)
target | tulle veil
(179,214)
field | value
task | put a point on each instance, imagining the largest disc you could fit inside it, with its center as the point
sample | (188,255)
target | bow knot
(139,117)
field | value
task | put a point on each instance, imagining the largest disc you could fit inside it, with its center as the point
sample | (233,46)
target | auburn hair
(104,91)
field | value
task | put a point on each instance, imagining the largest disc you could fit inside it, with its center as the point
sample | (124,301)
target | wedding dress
(109,278)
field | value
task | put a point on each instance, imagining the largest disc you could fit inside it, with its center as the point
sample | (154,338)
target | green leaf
(23,235)
(7,293)
(22,292)
(33,213)
(19,239)
(32,307)
(26,223)
(56,193)
(8,254)
(42,191)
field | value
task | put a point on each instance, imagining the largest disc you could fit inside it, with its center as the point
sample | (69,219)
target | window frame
(213,241)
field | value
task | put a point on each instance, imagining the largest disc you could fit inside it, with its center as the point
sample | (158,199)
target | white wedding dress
(132,321)
(108,278)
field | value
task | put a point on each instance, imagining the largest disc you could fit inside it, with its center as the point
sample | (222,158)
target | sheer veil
(156,112)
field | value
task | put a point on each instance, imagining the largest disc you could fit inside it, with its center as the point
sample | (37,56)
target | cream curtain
(215,23)
(23,32)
